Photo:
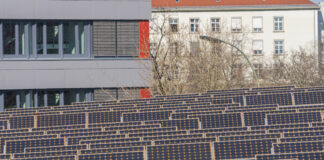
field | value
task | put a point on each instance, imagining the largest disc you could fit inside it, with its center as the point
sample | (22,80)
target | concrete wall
(96,73)
(75,9)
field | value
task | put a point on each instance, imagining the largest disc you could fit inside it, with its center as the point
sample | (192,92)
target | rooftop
(225,3)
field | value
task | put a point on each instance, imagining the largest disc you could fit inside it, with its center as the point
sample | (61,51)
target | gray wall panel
(74,74)
(75,9)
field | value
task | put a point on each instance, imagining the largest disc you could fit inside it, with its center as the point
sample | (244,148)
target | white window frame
(254,28)
(194,25)
(174,22)
(234,28)
(215,24)
(277,49)
(278,24)
(257,51)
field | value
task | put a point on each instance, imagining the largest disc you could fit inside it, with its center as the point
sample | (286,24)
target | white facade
(299,27)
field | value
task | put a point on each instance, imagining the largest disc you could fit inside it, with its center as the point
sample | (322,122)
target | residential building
(60,52)
(270,29)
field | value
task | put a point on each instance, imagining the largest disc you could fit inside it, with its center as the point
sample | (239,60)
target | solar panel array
(252,123)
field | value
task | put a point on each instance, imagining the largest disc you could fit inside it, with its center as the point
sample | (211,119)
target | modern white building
(268,28)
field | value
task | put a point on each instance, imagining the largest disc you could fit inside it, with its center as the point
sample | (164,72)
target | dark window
(52,33)
(9,38)
(10,99)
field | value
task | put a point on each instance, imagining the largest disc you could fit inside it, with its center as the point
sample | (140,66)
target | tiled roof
(208,3)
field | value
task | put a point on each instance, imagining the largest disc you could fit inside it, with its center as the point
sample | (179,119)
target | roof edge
(237,8)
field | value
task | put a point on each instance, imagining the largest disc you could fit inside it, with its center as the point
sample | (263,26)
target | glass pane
(40,47)
(10,100)
(40,98)
(69,97)
(30,39)
(21,38)
(81,37)
(69,38)
(82,95)
(9,39)
(52,37)
(53,98)
(22,100)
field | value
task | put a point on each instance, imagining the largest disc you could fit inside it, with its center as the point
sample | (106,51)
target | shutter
(104,38)
(127,38)
(257,22)
(258,45)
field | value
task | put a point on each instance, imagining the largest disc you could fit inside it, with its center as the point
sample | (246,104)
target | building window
(279,46)
(81,37)
(238,44)
(69,46)
(194,48)
(215,24)
(259,70)
(53,38)
(237,24)
(9,37)
(174,48)
(257,24)
(52,34)
(257,47)
(174,24)
(278,23)
(10,99)
(22,36)
(40,37)
(53,98)
(194,25)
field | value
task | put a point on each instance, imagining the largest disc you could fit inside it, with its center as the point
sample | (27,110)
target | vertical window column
(1,44)
(61,97)
(1,101)
(18,100)
(35,96)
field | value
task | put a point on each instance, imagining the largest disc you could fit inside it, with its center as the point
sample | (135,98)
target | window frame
(232,29)
(171,22)
(257,54)
(215,29)
(195,24)
(30,41)
(283,47)
(282,23)
(253,29)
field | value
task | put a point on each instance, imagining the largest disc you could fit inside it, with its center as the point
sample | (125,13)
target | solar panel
(76,140)
(54,148)
(281,99)
(309,97)
(110,150)
(303,156)
(242,149)
(63,120)
(144,116)
(294,147)
(181,124)
(102,117)
(114,156)
(220,120)
(248,137)
(19,145)
(294,118)
(45,154)
(196,151)
(21,122)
